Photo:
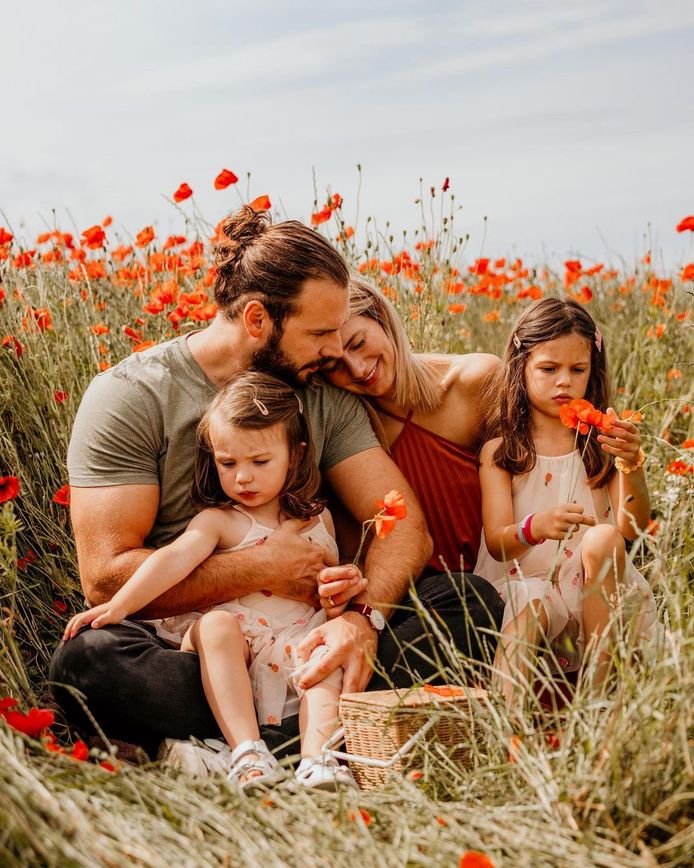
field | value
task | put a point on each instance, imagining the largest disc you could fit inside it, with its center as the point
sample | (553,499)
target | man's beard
(271,359)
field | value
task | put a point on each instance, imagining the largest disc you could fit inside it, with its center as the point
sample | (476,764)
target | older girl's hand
(622,440)
(337,586)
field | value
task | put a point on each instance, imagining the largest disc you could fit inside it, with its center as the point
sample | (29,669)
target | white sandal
(253,756)
(324,773)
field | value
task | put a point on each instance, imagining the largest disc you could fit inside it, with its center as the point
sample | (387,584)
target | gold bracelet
(625,468)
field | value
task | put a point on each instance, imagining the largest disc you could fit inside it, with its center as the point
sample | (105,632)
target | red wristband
(527,531)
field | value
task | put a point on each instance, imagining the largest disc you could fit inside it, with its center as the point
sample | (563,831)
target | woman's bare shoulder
(468,373)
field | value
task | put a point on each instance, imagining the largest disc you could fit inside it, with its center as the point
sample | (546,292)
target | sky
(569,126)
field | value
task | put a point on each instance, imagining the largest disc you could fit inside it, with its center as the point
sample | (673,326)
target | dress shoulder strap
(245,512)
(403,419)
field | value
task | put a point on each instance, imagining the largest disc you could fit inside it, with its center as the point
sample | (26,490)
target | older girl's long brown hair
(256,401)
(509,417)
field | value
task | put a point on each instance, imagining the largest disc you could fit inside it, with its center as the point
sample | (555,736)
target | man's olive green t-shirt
(136,425)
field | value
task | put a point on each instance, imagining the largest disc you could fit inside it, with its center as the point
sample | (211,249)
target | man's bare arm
(111,523)
(390,564)
(359,481)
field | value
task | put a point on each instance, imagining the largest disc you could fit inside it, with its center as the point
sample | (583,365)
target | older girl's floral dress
(273,626)
(528,577)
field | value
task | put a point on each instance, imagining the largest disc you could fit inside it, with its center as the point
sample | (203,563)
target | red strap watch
(375,616)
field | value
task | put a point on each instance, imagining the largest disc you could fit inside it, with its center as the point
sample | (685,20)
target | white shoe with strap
(324,773)
(200,759)
(253,767)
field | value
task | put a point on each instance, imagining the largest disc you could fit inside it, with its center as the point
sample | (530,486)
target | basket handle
(337,737)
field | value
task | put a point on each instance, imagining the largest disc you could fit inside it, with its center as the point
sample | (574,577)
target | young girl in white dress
(554,525)
(255,468)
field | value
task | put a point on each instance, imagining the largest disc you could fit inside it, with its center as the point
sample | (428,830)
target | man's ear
(256,319)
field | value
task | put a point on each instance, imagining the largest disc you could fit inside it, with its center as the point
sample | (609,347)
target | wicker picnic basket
(377,724)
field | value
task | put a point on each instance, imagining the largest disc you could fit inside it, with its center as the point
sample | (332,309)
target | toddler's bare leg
(602,549)
(318,717)
(224,657)
(514,652)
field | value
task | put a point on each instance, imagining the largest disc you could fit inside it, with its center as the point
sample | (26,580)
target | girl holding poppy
(558,503)
(254,469)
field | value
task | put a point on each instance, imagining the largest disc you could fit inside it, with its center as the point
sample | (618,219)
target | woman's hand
(337,586)
(99,616)
(623,440)
(560,523)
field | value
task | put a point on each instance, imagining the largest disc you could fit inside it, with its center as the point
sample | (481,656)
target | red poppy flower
(687,223)
(79,751)
(32,723)
(132,334)
(475,859)
(183,192)
(11,341)
(680,468)
(144,345)
(60,397)
(262,203)
(62,496)
(582,415)
(480,267)
(446,185)
(9,488)
(361,814)
(224,179)
(445,690)
(29,558)
(393,504)
(144,237)
(100,329)
(688,272)
(5,236)
(59,607)
(384,524)
(321,216)
(24,260)
(93,237)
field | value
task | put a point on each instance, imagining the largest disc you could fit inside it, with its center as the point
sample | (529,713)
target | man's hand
(351,643)
(293,563)
(337,586)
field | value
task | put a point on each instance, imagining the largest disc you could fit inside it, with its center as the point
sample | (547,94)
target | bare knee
(601,542)
(217,625)
(602,547)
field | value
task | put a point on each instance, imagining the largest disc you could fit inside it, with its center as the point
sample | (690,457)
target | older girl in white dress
(554,524)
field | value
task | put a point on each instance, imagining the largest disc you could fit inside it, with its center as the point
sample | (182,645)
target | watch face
(377,619)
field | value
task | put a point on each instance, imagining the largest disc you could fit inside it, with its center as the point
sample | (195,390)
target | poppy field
(605,782)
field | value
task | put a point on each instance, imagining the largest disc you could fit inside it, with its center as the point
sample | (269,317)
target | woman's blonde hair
(416,380)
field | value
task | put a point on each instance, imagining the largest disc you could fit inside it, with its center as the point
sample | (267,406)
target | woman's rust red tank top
(445,478)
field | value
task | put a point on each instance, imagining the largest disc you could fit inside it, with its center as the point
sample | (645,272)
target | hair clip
(598,340)
(301,406)
(259,404)
(516,342)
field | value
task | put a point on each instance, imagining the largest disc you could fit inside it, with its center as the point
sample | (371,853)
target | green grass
(618,790)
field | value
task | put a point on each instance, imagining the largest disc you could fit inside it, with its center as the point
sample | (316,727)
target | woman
(427,410)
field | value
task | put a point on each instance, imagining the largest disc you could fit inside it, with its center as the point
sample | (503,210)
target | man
(282,297)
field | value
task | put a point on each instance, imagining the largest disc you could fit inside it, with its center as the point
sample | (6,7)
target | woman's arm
(162,570)
(627,490)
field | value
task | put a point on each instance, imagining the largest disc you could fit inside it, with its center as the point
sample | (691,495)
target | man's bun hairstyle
(258,260)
